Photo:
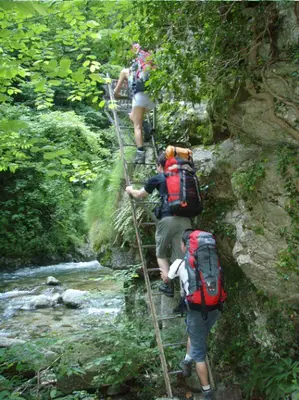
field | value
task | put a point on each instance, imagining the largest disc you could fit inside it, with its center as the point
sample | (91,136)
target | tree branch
(268,98)
(277,96)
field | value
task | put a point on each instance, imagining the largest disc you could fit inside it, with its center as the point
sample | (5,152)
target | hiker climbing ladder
(125,107)
(141,247)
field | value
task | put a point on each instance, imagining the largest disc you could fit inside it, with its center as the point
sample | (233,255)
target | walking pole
(212,383)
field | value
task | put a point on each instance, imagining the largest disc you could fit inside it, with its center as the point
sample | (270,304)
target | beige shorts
(142,99)
(169,232)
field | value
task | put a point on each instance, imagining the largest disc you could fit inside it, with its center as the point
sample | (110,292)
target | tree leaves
(55,154)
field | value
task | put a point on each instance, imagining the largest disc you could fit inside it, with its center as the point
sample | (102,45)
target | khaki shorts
(142,99)
(169,232)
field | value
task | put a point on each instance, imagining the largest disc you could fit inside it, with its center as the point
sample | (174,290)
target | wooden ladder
(124,105)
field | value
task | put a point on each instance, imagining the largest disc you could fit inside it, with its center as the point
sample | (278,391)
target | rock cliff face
(253,176)
(259,214)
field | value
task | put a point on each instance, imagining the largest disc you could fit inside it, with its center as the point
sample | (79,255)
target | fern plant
(275,379)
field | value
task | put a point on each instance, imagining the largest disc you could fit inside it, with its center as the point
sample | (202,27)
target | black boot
(167,289)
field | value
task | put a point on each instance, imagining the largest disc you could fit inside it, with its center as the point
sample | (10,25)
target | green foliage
(275,378)
(125,353)
(287,166)
(288,261)
(123,222)
(66,46)
(247,181)
(179,122)
(103,202)
(213,215)
(263,339)
(16,361)
(47,160)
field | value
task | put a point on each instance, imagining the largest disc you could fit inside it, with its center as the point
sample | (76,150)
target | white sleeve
(174,269)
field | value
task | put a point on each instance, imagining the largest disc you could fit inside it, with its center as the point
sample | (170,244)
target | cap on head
(136,47)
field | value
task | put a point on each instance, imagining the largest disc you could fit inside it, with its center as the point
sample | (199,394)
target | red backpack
(184,197)
(205,274)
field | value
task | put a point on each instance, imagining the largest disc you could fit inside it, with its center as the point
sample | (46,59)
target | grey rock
(258,223)
(8,342)
(16,293)
(41,301)
(119,258)
(51,281)
(74,298)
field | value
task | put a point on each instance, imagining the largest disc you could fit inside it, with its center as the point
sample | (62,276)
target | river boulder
(74,298)
(8,342)
(42,301)
(51,281)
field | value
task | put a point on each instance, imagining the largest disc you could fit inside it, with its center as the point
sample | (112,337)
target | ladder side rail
(143,262)
(154,127)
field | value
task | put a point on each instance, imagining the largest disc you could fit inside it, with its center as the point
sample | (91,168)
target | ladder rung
(137,182)
(148,246)
(166,318)
(148,223)
(153,269)
(122,98)
(175,344)
(146,146)
(131,162)
(124,110)
(179,371)
(148,202)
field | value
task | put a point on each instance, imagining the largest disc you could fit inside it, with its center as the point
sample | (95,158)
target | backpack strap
(204,311)
(183,186)
(180,264)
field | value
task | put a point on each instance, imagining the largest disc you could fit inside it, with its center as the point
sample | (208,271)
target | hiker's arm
(165,278)
(137,194)
(122,77)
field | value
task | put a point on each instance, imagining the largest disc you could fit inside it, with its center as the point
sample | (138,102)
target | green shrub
(246,181)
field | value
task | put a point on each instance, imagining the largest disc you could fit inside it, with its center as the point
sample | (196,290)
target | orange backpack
(173,151)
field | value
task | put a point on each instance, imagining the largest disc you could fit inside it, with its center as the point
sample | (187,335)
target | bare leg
(164,266)
(136,117)
(122,78)
(202,372)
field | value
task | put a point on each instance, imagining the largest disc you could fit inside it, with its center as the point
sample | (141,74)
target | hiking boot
(186,367)
(166,289)
(139,157)
(207,394)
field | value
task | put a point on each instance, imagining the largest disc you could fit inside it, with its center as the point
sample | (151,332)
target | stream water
(19,319)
